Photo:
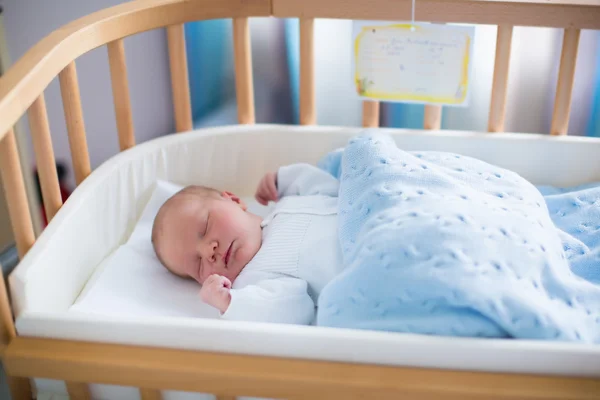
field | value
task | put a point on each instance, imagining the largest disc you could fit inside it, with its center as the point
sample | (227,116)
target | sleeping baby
(380,238)
(254,269)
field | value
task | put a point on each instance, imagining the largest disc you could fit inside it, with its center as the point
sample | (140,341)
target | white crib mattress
(101,214)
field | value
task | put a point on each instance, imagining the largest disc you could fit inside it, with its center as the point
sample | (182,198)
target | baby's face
(209,235)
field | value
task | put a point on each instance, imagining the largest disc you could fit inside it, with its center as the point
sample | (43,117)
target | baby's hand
(267,189)
(215,292)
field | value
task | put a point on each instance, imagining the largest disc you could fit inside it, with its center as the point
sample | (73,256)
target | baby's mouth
(228,254)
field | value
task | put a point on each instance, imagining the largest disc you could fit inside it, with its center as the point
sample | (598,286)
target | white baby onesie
(300,252)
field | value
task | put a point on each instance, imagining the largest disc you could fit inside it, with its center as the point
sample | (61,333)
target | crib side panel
(572,15)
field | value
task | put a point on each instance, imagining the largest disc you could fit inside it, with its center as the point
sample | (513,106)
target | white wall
(28,21)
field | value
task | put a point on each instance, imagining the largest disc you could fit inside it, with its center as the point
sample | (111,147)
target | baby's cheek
(231,224)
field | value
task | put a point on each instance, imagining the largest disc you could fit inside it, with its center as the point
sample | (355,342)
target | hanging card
(413,62)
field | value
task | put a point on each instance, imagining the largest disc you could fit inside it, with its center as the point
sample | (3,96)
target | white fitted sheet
(101,214)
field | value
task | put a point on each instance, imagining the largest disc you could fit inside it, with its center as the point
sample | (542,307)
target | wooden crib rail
(274,377)
(583,14)
(30,75)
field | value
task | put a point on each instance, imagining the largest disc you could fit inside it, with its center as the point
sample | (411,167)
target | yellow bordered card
(412,62)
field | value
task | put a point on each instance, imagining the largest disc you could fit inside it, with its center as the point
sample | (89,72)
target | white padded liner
(101,213)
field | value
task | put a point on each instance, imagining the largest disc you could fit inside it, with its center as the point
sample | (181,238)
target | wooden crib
(229,375)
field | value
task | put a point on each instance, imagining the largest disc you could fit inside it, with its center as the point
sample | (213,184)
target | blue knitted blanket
(439,243)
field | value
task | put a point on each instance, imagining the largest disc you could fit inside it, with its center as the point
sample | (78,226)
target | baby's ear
(235,199)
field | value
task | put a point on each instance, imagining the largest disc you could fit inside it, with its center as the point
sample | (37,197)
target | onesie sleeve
(305,180)
(279,300)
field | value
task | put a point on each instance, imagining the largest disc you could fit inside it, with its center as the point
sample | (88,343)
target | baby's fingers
(261,199)
(226,282)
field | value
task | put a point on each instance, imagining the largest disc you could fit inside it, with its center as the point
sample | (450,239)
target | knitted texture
(439,243)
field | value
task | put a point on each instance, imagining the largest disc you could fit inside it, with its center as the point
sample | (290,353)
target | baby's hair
(191,192)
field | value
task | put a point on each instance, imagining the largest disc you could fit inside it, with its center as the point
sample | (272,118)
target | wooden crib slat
(16,195)
(179,78)
(307,72)
(7,329)
(69,88)
(564,87)
(500,81)
(18,211)
(78,391)
(243,71)
(370,114)
(121,98)
(44,155)
(150,394)
(433,117)
(223,397)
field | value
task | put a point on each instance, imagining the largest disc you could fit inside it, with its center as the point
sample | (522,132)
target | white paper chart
(413,62)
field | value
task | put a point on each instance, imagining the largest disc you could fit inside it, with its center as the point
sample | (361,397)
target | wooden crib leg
(78,391)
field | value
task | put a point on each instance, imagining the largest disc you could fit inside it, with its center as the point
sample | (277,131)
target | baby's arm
(296,180)
(280,299)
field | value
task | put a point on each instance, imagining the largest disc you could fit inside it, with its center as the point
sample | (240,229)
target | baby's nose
(210,251)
